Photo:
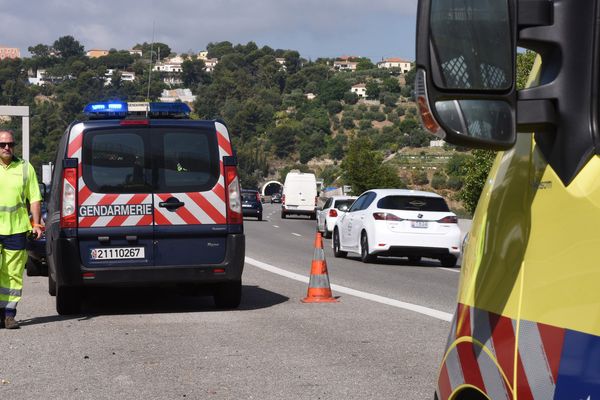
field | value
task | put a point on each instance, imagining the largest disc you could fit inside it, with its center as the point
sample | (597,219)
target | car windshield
(413,203)
(343,205)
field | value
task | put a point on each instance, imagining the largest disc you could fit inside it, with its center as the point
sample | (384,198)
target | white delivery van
(299,194)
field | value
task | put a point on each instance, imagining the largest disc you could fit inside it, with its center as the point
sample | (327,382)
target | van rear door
(189,203)
(115,221)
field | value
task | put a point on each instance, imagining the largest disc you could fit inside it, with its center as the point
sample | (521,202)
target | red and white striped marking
(200,207)
(482,348)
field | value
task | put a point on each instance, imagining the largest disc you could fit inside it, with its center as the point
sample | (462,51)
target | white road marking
(444,316)
(296,234)
(275,226)
(449,269)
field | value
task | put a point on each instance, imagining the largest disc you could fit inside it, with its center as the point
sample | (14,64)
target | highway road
(383,340)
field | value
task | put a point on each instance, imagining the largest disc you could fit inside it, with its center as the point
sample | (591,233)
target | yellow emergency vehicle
(527,322)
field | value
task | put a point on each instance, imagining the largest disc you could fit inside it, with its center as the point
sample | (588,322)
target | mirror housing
(465,82)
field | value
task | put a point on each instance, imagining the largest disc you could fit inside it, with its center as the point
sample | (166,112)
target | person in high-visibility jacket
(18,184)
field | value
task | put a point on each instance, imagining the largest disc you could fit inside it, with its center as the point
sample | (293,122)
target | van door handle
(171,204)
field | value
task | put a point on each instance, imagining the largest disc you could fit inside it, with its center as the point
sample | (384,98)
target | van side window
(189,161)
(115,162)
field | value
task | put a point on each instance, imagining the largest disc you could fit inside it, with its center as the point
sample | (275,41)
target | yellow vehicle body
(527,325)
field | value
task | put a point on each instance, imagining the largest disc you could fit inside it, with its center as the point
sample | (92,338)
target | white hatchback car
(401,223)
(333,208)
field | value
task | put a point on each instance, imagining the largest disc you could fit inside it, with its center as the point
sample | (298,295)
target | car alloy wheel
(364,249)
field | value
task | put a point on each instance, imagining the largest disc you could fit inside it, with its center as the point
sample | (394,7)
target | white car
(400,223)
(333,208)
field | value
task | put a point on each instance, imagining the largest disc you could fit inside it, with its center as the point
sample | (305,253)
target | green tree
(373,89)
(476,170)
(363,168)
(68,47)
(524,64)
(193,73)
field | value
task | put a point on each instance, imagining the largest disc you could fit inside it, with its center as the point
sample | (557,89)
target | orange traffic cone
(319,290)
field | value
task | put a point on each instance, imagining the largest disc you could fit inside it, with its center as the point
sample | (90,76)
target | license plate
(117,253)
(419,224)
(246,205)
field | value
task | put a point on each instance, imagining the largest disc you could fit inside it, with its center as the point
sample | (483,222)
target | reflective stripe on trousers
(12,265)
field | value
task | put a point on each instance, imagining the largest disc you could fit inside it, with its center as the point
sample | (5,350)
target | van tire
(228,295)
(283,215)
(51,285)
(68,300)
(34,267)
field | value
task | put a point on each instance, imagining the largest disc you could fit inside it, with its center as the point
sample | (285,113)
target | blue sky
(316,28)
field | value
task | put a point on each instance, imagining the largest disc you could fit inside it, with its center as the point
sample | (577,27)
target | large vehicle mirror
(465,82)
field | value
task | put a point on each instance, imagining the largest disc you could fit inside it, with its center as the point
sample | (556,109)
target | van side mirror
(465,82)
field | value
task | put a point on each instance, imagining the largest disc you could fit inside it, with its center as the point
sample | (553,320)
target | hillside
(282,110)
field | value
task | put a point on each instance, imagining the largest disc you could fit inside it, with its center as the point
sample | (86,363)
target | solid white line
(449,269)
(296,234)
(444,316)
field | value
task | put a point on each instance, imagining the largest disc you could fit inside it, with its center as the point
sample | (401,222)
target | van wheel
(282,215)
(228,295)
(336,245)
(259,217)
(364,249)
(51,285)
(68,300)
(448,261)
(33,267)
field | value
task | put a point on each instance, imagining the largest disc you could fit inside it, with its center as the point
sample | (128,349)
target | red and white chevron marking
(200,207)
(480,341)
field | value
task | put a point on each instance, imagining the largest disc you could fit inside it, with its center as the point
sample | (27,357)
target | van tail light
(68,212)
(333,213)
(451,219)
(316,200)
(283,199)
(382,216)
(234,196)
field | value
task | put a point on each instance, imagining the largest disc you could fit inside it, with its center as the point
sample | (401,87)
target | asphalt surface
(161,344)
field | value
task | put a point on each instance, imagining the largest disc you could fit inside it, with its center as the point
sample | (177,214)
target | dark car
(36,248)
(251,204)
(276,198)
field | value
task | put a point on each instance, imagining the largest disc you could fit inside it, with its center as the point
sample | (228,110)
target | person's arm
(36,216)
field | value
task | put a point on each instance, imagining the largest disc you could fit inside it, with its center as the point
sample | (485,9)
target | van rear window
(159,160)
(413,203)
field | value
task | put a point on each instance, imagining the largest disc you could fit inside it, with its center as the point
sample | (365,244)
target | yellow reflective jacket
(18,183)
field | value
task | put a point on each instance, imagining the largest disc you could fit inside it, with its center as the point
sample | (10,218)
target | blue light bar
(119,109)
(169,108)
(106,109)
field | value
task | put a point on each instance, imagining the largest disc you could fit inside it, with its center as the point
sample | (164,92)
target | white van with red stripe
(144,196)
